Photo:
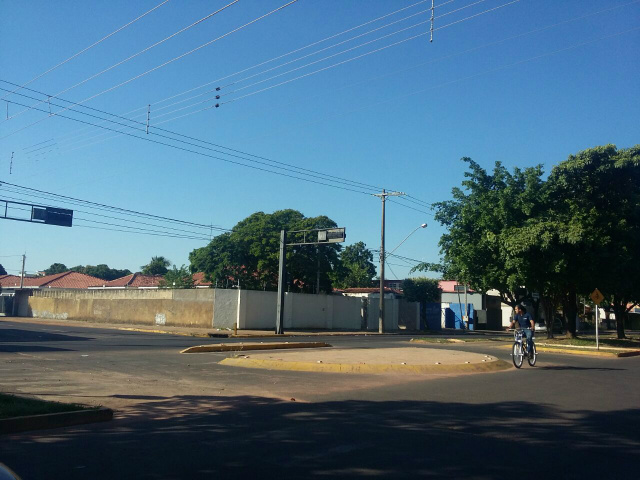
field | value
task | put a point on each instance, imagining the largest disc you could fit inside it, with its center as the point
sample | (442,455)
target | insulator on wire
(217,89)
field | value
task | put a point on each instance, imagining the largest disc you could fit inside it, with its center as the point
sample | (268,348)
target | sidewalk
(195,332)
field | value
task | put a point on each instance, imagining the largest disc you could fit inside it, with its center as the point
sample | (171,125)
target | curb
(494,366)
(243,347)
(55,420)
(589,353)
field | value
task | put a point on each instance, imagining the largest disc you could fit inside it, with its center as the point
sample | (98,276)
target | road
(185,416)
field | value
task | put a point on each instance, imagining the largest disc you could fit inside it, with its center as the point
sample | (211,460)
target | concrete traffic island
(407,360)
(243,347)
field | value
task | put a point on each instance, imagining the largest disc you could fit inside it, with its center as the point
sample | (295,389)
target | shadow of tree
(15,335)
(200,436)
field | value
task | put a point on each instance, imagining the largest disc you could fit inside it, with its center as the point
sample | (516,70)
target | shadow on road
(31,348)
(19,335)
(229,437)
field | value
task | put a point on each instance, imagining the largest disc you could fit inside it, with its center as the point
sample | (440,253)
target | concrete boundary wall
(202,308)
(170,307)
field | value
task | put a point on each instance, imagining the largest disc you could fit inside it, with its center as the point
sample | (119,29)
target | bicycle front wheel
(532,358)
(517,355)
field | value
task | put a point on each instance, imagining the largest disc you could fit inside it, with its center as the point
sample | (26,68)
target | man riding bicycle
(527,324)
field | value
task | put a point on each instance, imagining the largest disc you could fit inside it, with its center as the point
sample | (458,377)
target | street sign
(331,235)
(597,296)
(52,216)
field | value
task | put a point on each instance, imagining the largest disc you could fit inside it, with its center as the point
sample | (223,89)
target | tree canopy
(101,271)
(177,278)
(56,268)
(356,267)
(249,254)
(421,289)
(561,237)
(2,270)
(157,266)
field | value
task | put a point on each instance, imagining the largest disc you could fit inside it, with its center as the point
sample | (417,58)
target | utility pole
(24,257)
(282,273)
(383,196)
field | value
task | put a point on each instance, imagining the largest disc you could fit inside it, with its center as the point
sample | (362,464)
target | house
(74,280)
(199,281)
(133,280)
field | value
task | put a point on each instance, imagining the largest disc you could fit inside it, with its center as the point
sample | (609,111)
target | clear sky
(496,86)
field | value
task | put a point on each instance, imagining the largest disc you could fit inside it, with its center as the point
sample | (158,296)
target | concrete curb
(243,347)
(494,366)
(54,420)
(589,353)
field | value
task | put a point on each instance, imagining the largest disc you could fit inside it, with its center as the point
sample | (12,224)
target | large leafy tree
(478,217)
(356,268)
(249,254)
(56,268)
(421,289)
(2,270)
(157,266)
(596,195)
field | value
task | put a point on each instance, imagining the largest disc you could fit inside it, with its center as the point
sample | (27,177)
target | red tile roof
(58,280)
(370,290)
(134,280)
(199,280)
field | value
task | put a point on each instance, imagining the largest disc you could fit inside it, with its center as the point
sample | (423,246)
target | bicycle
(520,350)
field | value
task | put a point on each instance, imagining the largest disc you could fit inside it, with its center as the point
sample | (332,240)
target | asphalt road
(185,416)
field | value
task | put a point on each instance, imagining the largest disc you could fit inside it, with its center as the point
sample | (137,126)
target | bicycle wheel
(518,355)
(532,359)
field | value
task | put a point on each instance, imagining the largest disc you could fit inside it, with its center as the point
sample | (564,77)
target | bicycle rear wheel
(517,355)
(532,359)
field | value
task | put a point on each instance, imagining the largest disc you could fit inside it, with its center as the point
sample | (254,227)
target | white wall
(225,308)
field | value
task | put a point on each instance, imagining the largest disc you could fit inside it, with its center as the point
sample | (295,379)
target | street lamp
(424,225)
(383,258)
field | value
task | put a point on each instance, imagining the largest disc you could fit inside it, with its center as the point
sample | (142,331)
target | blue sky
(497,86)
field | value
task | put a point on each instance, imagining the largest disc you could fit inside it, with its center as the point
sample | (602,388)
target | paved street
(186,416)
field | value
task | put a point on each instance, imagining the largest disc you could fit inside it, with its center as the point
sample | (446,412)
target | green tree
(478,220)
(2,270)
(356,268)
(56,268)
(101,271)
(177,278)
(249,254)
(157,266)
(421,289)
(597,197)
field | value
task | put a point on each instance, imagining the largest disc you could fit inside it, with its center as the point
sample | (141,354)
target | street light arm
(424,225)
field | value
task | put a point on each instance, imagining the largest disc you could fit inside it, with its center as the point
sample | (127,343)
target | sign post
(316,236)
(597,298)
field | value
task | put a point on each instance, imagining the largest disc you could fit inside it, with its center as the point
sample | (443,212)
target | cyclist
(526,324)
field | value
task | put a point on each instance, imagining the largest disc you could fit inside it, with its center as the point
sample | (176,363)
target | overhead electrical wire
(531,58)
(101,206)
(131,57)
(263,63)
(87,48)
(152,69)
(157,123)
(273,164)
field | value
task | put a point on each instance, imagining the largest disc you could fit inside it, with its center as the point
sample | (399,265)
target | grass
(12,406)
(591,342)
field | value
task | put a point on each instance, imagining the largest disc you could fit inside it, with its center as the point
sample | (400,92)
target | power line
(86,48)
(305,171)
(117,64)
(156,67)
(48,198)
(123,210)
(362,55)
(210,156)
